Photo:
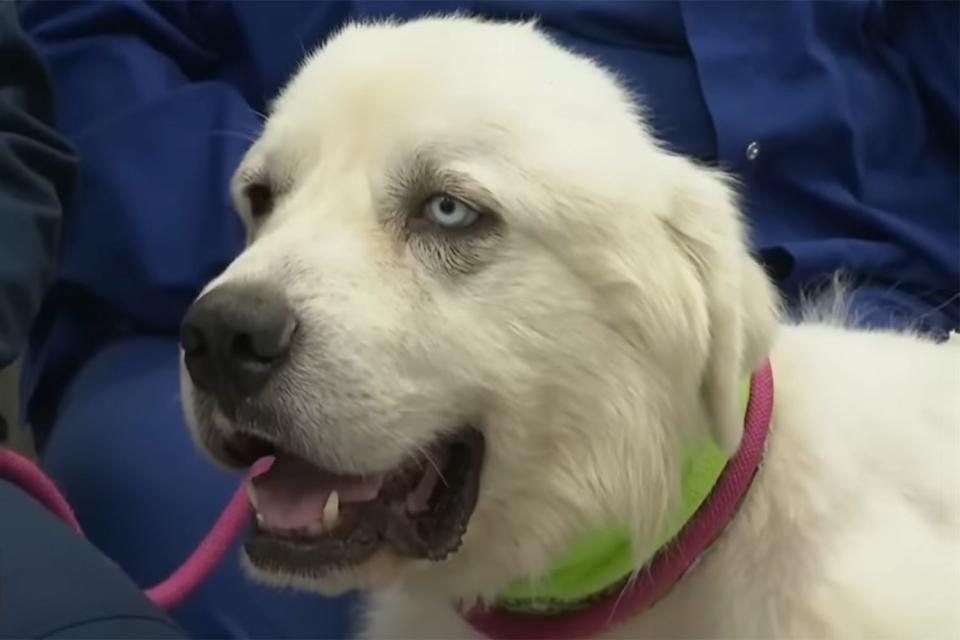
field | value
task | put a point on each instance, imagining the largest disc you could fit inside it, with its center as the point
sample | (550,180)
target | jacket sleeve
(36,178)
(159,133)
(917,284)
(924,34)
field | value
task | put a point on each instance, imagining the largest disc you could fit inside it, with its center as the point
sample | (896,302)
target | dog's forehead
(427,62)
(376,87)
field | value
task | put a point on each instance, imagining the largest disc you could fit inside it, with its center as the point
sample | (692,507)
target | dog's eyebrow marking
(278,183)
(249,175)
(421,176)
(255,192)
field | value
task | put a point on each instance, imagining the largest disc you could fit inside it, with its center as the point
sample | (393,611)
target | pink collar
(666,568)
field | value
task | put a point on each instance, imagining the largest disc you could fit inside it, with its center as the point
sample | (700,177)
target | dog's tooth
(259,517)
(251,494)
(331,510)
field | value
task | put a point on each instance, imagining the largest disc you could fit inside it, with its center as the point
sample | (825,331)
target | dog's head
(480,310)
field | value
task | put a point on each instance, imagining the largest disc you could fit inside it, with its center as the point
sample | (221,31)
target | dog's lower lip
(282,554)
(382,523)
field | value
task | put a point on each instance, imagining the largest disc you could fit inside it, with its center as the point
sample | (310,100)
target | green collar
(602,559)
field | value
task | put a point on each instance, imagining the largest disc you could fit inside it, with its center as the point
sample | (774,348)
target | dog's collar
(595,585)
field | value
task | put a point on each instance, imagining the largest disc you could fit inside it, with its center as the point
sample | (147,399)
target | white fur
(614,318)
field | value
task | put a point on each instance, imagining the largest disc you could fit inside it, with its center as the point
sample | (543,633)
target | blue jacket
(841,120)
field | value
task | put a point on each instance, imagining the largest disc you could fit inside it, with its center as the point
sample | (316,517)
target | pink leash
(169,593)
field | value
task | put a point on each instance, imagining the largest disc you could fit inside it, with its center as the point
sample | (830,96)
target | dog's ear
(741,303)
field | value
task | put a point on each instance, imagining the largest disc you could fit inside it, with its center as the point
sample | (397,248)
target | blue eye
(448,212)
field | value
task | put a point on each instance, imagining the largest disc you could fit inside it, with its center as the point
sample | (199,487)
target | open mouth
(310,521)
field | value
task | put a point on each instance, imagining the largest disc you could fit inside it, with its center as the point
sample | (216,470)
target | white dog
(482,313)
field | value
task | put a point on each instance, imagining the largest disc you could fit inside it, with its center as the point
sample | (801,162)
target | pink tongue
(291,493)
(261,466)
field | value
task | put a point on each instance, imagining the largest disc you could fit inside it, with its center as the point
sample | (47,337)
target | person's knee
(120,451)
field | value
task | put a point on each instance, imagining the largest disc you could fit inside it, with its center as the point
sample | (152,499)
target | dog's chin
(380,572)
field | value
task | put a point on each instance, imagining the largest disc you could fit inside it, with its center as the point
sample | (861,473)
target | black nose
(234,338)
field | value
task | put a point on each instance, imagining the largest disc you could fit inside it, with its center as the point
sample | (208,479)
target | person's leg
(120,452)
(54,584)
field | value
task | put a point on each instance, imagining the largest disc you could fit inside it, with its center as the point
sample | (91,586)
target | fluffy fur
(611,315)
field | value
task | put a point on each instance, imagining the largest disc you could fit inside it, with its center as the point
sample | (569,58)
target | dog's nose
(234,337)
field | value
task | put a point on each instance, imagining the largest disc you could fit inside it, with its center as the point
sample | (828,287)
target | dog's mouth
(309,521)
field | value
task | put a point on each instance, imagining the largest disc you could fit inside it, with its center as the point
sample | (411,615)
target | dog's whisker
(240,135)
(433,463)
(421,450)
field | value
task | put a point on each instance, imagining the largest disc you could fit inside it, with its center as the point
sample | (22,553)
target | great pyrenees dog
(483,312)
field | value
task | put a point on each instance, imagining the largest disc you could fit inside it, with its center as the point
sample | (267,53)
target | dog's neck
(601,560)
(598,581)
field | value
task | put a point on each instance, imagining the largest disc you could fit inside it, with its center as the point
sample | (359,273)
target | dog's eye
(259,196)
(449,213)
